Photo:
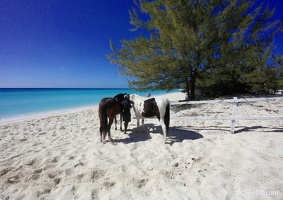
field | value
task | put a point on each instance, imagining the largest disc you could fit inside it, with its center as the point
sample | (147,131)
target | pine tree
(195,43)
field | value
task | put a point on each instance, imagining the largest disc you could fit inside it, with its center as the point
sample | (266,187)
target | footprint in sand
(23,140)
(57,181)
(138,182)
(109,185)
(38,171)
(79,164)
(94,194)
(80,176)
(13,179)
(69,171)
(35,174)
(55,159)
(51,175)
(4,171)
(97,174)
(34,177)
(43,191)
(31,162)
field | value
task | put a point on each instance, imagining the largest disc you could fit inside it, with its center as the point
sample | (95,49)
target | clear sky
(64,43)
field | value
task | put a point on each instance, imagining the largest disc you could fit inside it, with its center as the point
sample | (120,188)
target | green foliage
(263,79)
(213,47)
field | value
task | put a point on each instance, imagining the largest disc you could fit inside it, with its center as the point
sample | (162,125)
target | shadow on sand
(254,128)
(176,134)
(239,129)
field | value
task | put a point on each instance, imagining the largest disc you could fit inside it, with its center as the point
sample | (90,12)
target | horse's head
(120,97)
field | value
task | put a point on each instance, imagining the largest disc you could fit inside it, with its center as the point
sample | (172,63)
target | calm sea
(22,102)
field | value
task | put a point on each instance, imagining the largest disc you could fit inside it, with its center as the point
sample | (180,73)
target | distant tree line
(206,47)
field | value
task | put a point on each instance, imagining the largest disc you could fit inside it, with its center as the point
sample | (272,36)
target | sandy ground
(61,157)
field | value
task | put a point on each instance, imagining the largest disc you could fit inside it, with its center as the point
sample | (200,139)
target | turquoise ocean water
(21,102)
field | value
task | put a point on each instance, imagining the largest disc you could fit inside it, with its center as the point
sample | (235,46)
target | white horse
(150,107)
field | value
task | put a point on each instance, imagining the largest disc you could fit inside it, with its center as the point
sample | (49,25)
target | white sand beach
(61,157)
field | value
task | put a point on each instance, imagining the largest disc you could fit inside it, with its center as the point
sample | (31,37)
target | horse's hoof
(112,142)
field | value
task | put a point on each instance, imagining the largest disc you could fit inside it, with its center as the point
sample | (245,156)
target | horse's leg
(104,136)
(138,123)
(115,123)
(143,124)
(108,129)
(121,122)
(100,133)
(166,121)
(164,129)
(104,132)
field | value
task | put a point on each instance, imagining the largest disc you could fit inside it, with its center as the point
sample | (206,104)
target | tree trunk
(187,89)
(193,87)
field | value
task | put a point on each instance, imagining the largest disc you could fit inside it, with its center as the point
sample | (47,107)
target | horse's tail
(103,119)
(167,116)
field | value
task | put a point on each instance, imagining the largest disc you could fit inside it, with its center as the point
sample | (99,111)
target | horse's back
(102,101)
(113,107)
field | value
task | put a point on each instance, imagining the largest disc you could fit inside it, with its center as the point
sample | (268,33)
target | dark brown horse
(108,109)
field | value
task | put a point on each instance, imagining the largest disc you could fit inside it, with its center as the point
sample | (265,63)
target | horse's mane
(120,97)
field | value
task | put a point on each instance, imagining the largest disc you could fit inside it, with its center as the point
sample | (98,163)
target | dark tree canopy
(200,45)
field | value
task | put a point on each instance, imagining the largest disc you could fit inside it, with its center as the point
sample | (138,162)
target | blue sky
(64,43)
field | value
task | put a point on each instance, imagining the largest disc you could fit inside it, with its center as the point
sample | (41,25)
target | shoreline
(40,115)
(173,96)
